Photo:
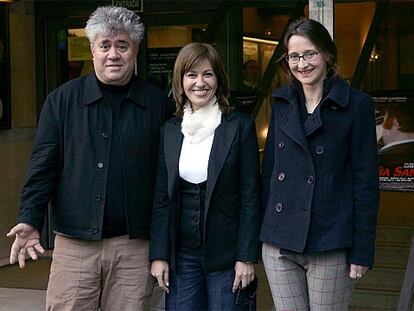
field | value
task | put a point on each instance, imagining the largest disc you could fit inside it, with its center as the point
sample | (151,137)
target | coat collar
(336,94)
(93,93)
(337,90)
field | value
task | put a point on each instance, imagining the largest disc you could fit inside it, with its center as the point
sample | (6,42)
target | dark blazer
(232,202)
(69,162)
(321,190)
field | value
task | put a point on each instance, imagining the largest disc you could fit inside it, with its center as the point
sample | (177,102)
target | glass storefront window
(79,54)
(4,69)
(391,66)
(352,22)
(163,45)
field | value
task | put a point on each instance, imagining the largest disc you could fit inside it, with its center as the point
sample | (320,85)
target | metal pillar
(323,12)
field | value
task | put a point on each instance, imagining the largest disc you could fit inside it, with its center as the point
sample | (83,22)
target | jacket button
(100,165)
(98,198)
(281,176)
(281,144)
(310,179)
(319,149)
(105,135)
(279,207)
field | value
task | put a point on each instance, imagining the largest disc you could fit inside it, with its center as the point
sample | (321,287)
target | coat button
(319,149)
(310,179)
(279,207)
(281,144)
(100,165)
(281,176)
(98,198)
(105,135)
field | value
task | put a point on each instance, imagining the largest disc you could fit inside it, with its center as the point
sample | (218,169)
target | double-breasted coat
(232,200)
(320,181)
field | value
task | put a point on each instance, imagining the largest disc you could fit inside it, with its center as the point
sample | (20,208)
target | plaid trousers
(315,282)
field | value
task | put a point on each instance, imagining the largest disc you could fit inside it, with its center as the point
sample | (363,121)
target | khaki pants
(112,274)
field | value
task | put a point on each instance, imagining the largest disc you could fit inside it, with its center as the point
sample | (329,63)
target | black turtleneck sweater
(114,220)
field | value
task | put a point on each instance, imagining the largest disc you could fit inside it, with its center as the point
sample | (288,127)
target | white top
(194,157)
(198,129)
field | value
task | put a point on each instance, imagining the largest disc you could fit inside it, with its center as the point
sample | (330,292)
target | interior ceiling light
(258,40)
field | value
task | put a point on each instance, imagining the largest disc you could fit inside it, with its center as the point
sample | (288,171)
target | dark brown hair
(191,55)
(318,35)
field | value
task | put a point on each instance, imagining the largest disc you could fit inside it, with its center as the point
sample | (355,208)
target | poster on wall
(4,70)
(395,138)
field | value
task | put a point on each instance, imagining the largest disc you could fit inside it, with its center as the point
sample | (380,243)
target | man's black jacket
(69,160)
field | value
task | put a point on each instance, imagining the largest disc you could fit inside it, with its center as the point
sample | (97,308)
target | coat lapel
(292,125)
(173,139)
(313,122)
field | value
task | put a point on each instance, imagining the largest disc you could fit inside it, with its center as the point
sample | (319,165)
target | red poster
(395,136)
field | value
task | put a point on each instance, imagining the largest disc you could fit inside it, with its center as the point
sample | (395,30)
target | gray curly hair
(112,20)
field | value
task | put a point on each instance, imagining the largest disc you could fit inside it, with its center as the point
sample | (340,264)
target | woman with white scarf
(206,217)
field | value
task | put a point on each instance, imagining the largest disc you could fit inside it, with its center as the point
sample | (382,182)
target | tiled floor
(13,299)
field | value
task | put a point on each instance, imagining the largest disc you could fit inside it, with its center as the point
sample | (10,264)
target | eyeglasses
(295,58)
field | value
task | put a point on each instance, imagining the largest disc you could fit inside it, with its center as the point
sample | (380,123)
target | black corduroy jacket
(69,161)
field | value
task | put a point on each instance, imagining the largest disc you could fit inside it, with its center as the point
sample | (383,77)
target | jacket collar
(92,90)
(223,139)
(226,116)
(93,93)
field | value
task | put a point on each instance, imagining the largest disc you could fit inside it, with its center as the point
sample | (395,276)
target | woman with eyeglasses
(320,181)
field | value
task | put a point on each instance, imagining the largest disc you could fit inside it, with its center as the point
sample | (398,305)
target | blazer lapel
(223,138)
(173,139)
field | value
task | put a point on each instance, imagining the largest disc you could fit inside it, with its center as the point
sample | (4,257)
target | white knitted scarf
(200,124)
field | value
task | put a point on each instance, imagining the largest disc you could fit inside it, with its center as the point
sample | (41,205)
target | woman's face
(311,71)
(200,84)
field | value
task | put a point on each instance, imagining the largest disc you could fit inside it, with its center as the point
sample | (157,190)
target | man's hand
(26,241)
(159,270)
(244,274)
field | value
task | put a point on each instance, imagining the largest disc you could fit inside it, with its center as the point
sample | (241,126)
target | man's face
(114,58)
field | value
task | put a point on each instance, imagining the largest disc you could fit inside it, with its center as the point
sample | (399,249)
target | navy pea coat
(232,200)
(320,182)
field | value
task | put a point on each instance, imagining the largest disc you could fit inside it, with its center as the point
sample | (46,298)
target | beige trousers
(111,274)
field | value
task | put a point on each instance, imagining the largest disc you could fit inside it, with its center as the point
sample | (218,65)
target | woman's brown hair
(318,35)
(191,55)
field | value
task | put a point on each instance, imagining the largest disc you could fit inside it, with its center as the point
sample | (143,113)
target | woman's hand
(356,271)
(160,270)
(244,273)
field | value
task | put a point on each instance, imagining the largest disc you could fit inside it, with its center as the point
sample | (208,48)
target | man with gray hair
(94,160)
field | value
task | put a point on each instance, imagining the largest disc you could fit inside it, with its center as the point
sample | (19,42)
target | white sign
(133,5)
